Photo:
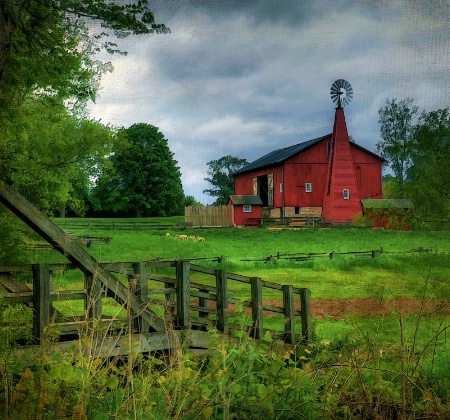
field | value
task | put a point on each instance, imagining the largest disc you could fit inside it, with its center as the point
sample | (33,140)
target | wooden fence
(115,225)
(208,216)
(177,299)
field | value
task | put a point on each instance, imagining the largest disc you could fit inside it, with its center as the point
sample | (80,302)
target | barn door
(255,186)
(270,189)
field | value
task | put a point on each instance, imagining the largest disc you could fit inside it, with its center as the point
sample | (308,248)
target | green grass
(389,275)
(356,359)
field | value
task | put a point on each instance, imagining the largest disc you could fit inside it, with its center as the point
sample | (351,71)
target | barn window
(346,194)
(247,208)
(308,187)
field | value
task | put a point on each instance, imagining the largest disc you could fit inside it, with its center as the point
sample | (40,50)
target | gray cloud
(246,77)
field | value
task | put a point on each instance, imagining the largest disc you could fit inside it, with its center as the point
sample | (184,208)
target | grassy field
(392,274)
(359,365)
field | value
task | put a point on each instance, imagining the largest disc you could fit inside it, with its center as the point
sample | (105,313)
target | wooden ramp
(94,272)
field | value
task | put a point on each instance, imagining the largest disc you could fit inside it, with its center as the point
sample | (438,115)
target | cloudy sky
(245,77)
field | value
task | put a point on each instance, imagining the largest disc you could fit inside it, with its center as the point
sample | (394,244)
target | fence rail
(114,225)
(188,296)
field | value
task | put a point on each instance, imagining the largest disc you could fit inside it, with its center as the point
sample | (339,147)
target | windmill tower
(341,201)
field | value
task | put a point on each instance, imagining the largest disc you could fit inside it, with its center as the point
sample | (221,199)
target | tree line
(416,145)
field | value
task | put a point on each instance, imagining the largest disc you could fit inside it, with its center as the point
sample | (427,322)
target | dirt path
(338,309)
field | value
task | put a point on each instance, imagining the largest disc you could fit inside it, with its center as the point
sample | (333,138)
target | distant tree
(189,200)
(396,130)
(220,176)
(391,187)
(429,174)
(143,179)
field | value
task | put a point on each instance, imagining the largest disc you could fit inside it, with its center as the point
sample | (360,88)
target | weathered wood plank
(257,313)
(11,284)
(222,301)
(204,298)
(41,224)
(41,301)
(118,346)
(139,287)
(289,318)
(183,294)
(93,297)
(305,301)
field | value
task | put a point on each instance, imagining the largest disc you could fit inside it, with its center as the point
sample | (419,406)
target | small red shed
(245,209)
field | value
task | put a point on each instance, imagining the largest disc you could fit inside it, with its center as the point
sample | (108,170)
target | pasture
(394,273)
(381,324)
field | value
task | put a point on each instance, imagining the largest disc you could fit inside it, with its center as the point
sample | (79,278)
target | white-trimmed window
(308,187)
(247,208)
(346,194)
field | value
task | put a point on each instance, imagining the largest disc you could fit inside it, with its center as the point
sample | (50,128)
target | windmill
(341,92)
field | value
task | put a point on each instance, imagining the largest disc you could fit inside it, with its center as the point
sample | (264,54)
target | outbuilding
(389,213)
(246,210)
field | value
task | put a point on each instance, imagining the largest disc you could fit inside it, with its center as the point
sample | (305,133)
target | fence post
(93,299)
(203,302)
(183,294)
(305,301)
(289,319)
(41,299)
(257,313)
(139,287)
(222,301)
(170,299)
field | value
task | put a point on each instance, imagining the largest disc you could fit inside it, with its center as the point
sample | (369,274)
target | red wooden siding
(341,176)
(308,166)
(368,173)
(243,183)
(240,216)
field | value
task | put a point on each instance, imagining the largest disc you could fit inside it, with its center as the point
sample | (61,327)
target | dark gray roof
(398,203)
(280,155)
(239,200)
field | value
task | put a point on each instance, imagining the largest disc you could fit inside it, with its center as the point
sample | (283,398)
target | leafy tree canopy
(143,180)
(189,200)
(220,176)
(396,129)
(49,149)
(429,174)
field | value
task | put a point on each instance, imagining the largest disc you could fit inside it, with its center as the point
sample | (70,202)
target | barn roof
(241,200)
(398,203)
(280,155)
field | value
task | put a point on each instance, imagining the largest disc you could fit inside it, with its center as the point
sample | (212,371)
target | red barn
(327,176)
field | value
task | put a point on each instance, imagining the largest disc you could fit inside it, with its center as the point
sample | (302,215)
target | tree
(396,129)
(429,174)
(220,176)
(143,179)
(189,200)
(47,75)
